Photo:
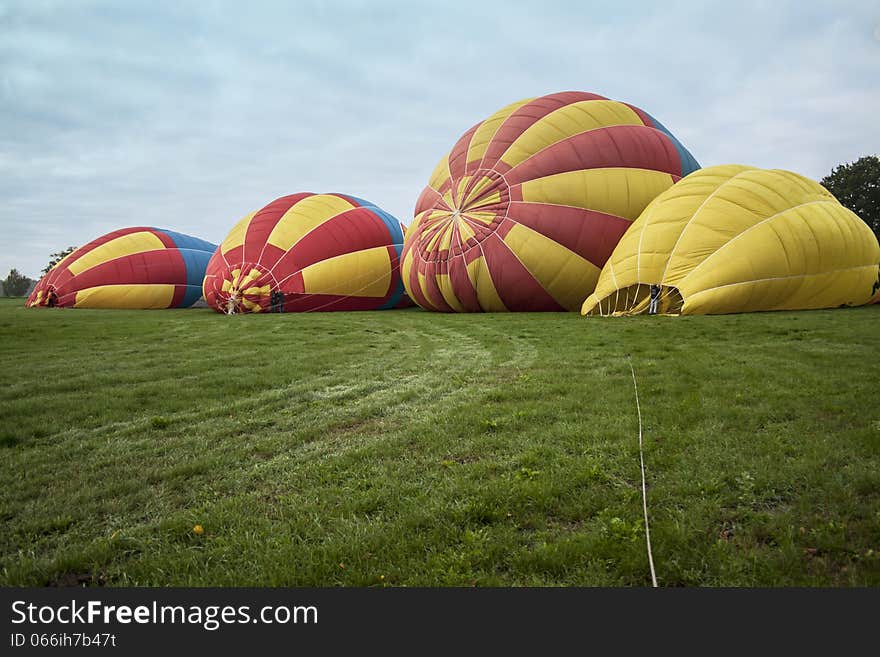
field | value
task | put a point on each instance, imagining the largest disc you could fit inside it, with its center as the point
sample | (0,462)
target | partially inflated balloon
(307,252)
(731,239)
(129,268)
(528,205)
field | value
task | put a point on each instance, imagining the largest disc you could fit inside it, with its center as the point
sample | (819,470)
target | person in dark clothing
(51,299)
(277,301)
(655,299)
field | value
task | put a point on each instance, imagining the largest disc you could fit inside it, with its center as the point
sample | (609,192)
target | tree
(16,284)
(55,258)
(857,186)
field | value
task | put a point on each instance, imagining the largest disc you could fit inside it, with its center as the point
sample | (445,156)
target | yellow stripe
(447,197)
(440,174)
(116,248)
(483,136)
(442,236)
(406,269)
(488,297)
(125,296)
(423,283)
(445,285)
(465,231)
(304,217)
(364,273)
(483,217)
(250,305)
(446,242)
(565,275)
(567,121)
(459,189)
(235,238)
(491,199)
(63,262)
(621,192)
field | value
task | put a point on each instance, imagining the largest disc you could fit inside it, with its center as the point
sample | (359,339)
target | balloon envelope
(527,206)
(733,238)
(135,268)
(308,252)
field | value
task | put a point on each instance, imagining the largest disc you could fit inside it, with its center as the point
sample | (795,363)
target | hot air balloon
(308,252)
(129,268)
(733,238)
(525,209)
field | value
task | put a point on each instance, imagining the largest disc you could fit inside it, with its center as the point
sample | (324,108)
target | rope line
(644,485)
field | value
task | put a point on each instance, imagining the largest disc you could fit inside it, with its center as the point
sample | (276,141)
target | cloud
(190,115)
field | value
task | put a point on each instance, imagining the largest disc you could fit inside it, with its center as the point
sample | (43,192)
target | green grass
(409,448)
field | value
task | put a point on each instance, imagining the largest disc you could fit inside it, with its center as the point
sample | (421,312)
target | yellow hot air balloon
(732,238)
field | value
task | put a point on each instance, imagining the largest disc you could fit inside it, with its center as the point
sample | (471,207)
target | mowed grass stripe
(408,448)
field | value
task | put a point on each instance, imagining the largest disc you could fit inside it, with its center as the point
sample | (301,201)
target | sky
(189,115)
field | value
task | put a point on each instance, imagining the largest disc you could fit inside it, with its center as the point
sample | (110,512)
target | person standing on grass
(655,299)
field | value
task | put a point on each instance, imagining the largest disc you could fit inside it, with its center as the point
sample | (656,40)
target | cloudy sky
(188,115)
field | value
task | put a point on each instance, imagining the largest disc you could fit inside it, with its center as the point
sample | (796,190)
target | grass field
(407,448)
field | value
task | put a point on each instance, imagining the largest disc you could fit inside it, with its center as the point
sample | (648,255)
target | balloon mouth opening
(244,288)
(472,209)
(640,299)
(47,298)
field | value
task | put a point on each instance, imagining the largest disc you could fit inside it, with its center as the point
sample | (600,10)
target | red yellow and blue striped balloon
(528,205)
(136,268)
(309,252)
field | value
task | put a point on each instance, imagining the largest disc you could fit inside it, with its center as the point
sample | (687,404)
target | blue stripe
(688,163)
(195,253)
(188,241)
(196,263)
(398,293)
(396,232)
(193,294)
(388,219)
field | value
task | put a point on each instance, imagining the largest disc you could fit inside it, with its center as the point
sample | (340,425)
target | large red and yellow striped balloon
(137,268)
(307,252)
(525,209)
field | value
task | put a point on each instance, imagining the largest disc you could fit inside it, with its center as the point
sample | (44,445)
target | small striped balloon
(523,212)
(308,252)
(137,268)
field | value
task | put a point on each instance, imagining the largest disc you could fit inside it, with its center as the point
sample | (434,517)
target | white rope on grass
(644,485)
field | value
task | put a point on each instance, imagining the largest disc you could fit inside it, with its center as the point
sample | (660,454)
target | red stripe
(459,152)
(345,197)
(234,257)
(635,147)
(591,234)
(263,222)
(432,290)
(166,240)
(270,256)
(51,277)
(462,286)
(526,116)
(66,300)
(428,199)
(179,294)
(413,287)
(159,267)
(353,230)
(518,289)
(642,115)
